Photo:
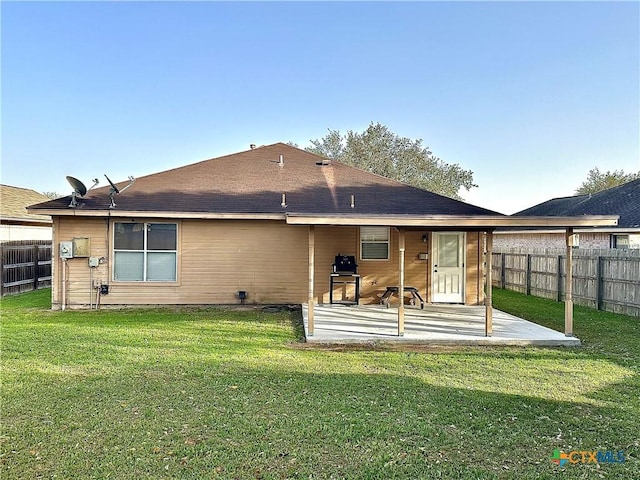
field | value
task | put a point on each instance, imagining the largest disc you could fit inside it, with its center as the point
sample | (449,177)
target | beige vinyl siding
(473,267)
(331,241)
(77,269)
(378,274)
(268,259)
(217,259)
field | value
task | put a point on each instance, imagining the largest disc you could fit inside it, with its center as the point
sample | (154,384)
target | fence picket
(25,265)
(603,279)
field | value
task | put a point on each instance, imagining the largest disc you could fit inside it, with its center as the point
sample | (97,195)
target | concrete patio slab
(435,325)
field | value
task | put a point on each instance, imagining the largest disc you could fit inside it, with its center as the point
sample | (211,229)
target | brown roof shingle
(253,182)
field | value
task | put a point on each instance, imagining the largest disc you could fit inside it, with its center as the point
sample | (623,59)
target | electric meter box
(66,249)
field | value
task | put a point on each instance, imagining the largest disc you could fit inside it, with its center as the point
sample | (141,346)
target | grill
(345,272)
(345,265)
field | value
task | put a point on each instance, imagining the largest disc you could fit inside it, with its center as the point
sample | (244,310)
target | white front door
(448,267)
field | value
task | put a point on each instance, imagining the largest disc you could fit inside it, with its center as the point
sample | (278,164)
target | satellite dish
(113,186)
(78,186)
(115,190)
(79,189)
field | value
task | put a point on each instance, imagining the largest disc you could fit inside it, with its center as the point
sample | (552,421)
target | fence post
(559,283)
(599,283)
(503,275)
(36,267)
(527,285)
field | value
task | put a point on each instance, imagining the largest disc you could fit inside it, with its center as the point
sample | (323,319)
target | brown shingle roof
(253,182)
(13,203)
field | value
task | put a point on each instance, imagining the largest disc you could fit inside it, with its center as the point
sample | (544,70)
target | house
(265,226)
(16,223)
(623,200)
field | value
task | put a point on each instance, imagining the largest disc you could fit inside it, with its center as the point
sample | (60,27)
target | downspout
(64,283)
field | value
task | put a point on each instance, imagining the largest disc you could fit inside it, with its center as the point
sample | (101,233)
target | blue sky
(528,95)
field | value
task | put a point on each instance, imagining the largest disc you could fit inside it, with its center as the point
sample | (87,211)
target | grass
(208,393)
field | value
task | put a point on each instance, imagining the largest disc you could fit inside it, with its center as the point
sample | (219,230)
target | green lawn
(206,393)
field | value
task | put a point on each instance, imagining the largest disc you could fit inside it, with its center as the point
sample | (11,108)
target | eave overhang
(435,221)
(292,218)
(115,213)
(45,222)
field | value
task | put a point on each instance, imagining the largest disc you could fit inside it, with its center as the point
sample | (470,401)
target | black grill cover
(345,264)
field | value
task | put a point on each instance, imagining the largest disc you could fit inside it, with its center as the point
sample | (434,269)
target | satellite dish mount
(115,190)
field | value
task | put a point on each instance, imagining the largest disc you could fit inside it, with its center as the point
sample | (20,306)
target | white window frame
(617,238)
(145,252)
(363,240)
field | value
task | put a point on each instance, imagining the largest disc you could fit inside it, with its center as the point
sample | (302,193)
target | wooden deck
(435,325)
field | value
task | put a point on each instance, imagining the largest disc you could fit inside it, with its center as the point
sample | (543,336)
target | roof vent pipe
(283,204)
(281,162)
(252,146)
(353,201)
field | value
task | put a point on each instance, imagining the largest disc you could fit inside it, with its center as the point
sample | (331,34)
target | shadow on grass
(227,398)
(264,423)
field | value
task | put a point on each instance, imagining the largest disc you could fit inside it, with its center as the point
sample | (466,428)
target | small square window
(374,243)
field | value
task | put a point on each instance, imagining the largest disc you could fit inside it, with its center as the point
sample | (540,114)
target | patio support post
(312,254)
(568,286)
(401,248)
(488,299)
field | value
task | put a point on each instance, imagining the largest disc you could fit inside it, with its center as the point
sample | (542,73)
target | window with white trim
(145,252)
(620,241)
(374,243)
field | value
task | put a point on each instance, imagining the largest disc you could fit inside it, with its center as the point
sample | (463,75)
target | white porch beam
(568,286)
(401,249)
(310,299)
(488,299)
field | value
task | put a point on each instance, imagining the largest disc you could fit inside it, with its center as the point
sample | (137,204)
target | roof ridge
(199,162)
(22,188)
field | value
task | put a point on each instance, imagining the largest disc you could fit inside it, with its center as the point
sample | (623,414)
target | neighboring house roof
(251,184)
(13,203)
(623,200)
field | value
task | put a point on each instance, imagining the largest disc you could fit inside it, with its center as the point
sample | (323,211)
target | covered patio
(434,325)
(444,322)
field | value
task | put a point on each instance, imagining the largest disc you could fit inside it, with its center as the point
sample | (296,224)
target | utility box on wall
(81,247)
(66,249)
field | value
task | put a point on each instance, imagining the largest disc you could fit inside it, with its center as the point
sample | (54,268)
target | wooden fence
(603,279)
(26,265)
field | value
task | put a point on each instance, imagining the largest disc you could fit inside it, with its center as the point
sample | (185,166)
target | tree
(51,195)
(381,151)
(597,181)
